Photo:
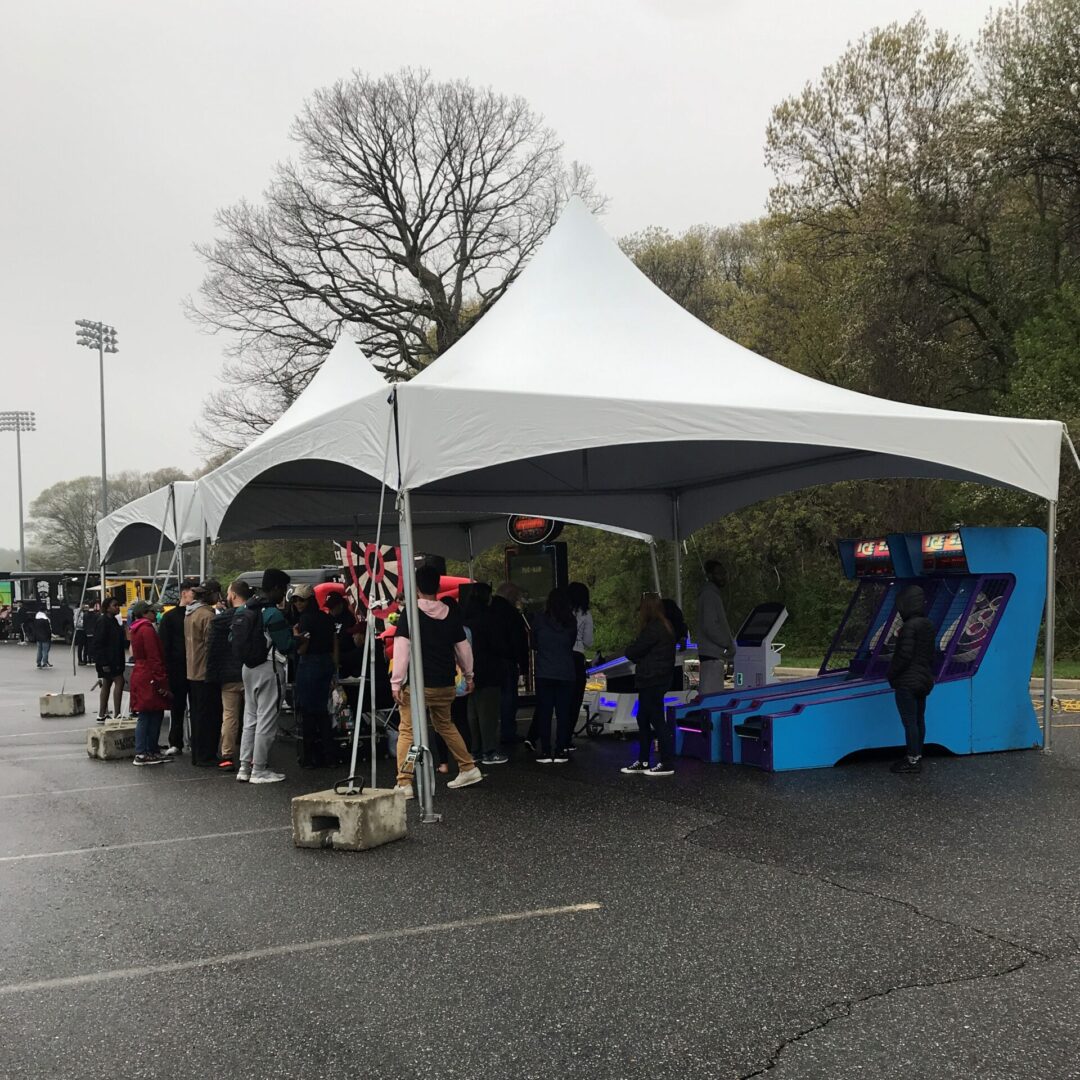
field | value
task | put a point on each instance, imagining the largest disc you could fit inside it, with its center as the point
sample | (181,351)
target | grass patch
(1063,668)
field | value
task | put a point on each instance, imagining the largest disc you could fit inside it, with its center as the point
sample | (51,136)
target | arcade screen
(873,558)
(7,593)
(534,573)
(758,624)
(943,551)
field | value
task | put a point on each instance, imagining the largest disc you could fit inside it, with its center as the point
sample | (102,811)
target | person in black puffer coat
(224,669)
(911,673)
(653,654)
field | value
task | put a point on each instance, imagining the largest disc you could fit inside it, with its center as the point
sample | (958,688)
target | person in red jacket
(149,684)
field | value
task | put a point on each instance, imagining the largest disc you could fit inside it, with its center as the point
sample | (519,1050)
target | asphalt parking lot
(559,922)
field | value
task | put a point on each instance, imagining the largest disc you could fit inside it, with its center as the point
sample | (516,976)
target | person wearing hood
(716,645)
(911,674)
(443,648)
(43,637)
(149,683)
(204,696)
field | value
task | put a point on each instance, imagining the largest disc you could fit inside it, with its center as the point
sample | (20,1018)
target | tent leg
(425,775)
(472,555)
(1048,639)
(678,549)
(202,552)
(82,600)
(371,695)
(655,567)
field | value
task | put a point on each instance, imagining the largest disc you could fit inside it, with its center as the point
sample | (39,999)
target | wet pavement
(560,921)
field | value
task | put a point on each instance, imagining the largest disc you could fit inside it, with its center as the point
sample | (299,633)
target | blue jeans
(147,729)
(554,696)
(43,648)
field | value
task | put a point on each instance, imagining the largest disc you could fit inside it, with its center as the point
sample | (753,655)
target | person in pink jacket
(149,684)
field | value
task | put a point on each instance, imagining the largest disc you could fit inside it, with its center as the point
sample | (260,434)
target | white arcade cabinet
(756,652)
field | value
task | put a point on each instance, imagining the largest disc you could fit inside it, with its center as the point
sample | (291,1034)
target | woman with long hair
(554,633)
(578,593)
(653,654)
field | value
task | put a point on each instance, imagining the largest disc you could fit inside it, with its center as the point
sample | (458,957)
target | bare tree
(413,204)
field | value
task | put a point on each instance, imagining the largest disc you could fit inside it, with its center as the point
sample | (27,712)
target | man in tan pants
(443,648)
(225,671)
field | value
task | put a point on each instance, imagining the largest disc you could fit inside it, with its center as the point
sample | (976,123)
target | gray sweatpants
(262,704)
(711,677)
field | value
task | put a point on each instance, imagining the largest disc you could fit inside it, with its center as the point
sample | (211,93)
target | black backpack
(247,637)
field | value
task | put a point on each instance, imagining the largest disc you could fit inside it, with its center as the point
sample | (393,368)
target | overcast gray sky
(126,124)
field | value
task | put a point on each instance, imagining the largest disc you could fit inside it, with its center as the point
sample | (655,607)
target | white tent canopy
(588,392)
(155,520)
(316,472)
(274,487)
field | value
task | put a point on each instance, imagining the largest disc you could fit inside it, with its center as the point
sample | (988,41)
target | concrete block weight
(348,822)
(111,742)
(63,705)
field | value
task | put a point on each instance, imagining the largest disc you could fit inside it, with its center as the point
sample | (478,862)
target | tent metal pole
(154,586)
(370,684)
(472,554)
(655,567)
(426,775)
(678,548)
(82,600)
(202,551)
(1048,638)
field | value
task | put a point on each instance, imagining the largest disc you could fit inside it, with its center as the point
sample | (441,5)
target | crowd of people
(218,662)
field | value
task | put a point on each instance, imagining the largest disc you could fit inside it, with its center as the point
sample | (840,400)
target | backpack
(247,636)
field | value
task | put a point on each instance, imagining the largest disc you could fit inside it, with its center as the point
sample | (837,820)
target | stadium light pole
(19,422)
(96,335)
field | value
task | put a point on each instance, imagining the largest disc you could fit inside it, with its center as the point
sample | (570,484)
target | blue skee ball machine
(984,594)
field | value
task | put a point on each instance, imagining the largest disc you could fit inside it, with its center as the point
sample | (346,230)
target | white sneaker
(464,779)
(173,751)
(243,774)
(406,790)
(266,777)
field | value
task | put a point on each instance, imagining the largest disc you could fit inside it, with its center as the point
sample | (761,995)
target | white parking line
(107,787)
(293,949)
(139,844)
(42,757)
(45,731)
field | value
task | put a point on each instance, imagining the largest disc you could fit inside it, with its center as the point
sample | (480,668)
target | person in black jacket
(513,631)
(90,622)
(224,669)
(43,637)
(492,654)
(653,654)
(911,674)
(171,631)
(110,656)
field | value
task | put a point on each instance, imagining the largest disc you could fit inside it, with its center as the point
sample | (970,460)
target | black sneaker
(907,765)
(638,767)
(660,769)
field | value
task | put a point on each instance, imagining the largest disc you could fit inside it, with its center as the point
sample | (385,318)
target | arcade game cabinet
(756,654)
(984,594)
